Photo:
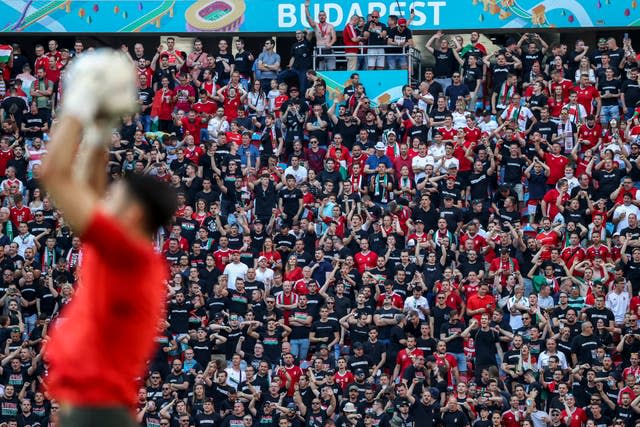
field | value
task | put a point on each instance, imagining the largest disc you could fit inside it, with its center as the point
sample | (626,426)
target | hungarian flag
(5,53)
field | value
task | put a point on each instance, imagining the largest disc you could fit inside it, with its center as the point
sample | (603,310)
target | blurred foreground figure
(107,332)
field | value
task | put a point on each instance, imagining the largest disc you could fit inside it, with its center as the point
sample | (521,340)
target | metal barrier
(414,57)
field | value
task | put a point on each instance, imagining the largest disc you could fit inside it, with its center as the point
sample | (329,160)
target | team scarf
(506,92)
(380,184)
(513,112)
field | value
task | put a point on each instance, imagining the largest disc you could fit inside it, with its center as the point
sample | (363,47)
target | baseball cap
(402,21)
(359,371)
(353,387)
(380,146)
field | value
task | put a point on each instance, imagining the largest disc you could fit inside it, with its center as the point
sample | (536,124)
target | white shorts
(375,58)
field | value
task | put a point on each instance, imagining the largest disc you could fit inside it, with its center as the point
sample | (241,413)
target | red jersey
(295,373)
(591,134)
(221,258)
(547,238)
(602,251)
(571,255)
(193,127)
(206,107)
(472,135)
(578,417)
(364,262)
(127,301)
(566,87)
(476,302)
(165,103)
(556,163)
(405,358)
(19,215)
(479,242)
(555,106)
(343,380)
(5,156)
(586,96)
(448,134)
(449,361)
(194,154)
(512,419)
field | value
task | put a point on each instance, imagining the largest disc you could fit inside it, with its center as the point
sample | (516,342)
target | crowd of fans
(466,255)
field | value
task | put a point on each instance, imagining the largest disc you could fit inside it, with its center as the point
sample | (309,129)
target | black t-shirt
(500,74)
(609,180)
(528,59)
(220,59)
(30,120)
(456,345)
(547,129)
(146,96)
(375,29)
(290,200)
(446,63)
(471,76)
(301,51)
(513,167)
(399,37)
(537,101)
(16,106)
(485,342)
(584,348)
(179,316)
(613,87)
(631,90)
(243,63)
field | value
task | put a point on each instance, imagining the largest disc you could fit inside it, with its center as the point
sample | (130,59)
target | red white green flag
(5,52)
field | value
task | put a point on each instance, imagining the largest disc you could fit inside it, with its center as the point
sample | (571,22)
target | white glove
(100,88)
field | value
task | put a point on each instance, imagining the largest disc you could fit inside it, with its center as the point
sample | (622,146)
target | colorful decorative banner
(274,16)
(383,86)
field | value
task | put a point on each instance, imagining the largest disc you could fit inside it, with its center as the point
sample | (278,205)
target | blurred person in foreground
(108,330)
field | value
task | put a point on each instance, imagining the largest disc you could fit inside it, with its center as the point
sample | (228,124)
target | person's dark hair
(157,198)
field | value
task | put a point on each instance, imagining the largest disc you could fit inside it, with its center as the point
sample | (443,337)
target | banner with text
(277,16)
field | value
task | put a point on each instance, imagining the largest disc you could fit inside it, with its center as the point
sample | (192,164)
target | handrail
(414,56)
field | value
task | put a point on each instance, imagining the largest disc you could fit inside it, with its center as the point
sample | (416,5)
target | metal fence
(414,58)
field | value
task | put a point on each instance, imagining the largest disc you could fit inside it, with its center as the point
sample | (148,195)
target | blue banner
(277,16)
(382,86)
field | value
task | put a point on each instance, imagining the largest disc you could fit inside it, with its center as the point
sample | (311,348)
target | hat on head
(403,402)
(353,387)
(380,146)
(349,407)
(293,88)
(402,21)
(323,345)
(360,371)
(292,406)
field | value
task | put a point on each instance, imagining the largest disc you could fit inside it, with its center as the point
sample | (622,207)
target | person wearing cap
(380,157)
(400,37)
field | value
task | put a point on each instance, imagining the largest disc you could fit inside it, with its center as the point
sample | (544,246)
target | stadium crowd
(467,255)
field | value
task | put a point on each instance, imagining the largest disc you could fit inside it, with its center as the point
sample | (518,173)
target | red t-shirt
(118,306)
(363,261)
(578,418)
(556,163)
(19,215)
(193,128)
(586,96)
